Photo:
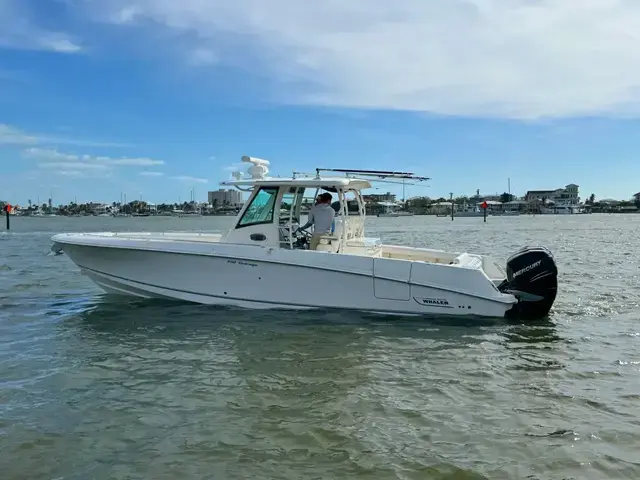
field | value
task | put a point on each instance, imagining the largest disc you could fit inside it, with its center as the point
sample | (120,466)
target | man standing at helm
(321,217)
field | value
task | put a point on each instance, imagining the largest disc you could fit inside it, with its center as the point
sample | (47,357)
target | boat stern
(493,270)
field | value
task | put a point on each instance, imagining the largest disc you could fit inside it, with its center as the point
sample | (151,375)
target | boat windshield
(261,208)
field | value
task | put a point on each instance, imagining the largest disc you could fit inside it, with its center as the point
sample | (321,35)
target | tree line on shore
(416,205)
(136,206)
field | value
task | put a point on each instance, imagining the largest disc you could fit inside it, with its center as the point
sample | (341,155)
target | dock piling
(452,205)
(7,209)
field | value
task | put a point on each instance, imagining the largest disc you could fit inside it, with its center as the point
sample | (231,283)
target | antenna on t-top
(374,173)
(259,167)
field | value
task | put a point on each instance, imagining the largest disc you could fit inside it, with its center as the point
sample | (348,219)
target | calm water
(92,387)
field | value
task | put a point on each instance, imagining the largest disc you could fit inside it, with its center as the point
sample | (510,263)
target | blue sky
(158,97)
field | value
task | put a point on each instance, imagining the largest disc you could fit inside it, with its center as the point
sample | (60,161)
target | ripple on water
(94,387)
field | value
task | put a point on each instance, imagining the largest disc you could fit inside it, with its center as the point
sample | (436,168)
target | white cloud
(506,58)
(51,157)
(73,165)
(187,179)
(125,15)
(18,31)
(202,57)
(139,161)
(54,140)
(15,136)
(70,173)
(151,174)
(11,135)
(236,167)
(55,42)
(49,154)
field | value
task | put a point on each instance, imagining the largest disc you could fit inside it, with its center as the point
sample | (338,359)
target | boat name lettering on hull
(433,302)
(241,262)
(526,269)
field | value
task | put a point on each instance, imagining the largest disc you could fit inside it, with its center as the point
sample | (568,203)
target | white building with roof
(569,195)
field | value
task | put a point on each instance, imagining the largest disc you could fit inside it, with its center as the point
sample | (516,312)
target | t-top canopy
(322,182)
(353,179)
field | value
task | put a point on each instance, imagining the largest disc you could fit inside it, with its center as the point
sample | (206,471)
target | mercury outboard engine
(532,277)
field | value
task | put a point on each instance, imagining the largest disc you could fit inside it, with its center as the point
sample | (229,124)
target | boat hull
(267,278)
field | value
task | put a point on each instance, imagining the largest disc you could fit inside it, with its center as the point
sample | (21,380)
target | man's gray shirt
(321,216)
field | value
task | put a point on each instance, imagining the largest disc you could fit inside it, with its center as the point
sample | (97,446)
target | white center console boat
(262,262)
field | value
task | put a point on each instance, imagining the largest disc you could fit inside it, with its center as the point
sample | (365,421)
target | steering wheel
(302,238)
(301,234)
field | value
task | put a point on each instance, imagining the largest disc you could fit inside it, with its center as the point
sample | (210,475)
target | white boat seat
(350,223)
(466,260)
(329,243)
(339,225)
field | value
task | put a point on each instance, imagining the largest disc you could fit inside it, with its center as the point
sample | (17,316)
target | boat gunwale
(502,298)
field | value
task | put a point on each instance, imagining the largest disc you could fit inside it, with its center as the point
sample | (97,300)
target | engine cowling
(532,277)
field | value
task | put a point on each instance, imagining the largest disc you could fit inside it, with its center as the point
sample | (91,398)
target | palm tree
(506,197)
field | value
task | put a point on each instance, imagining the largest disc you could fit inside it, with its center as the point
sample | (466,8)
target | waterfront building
(567,196)
(223,197)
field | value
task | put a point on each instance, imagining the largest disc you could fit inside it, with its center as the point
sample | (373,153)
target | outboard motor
(532,277)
